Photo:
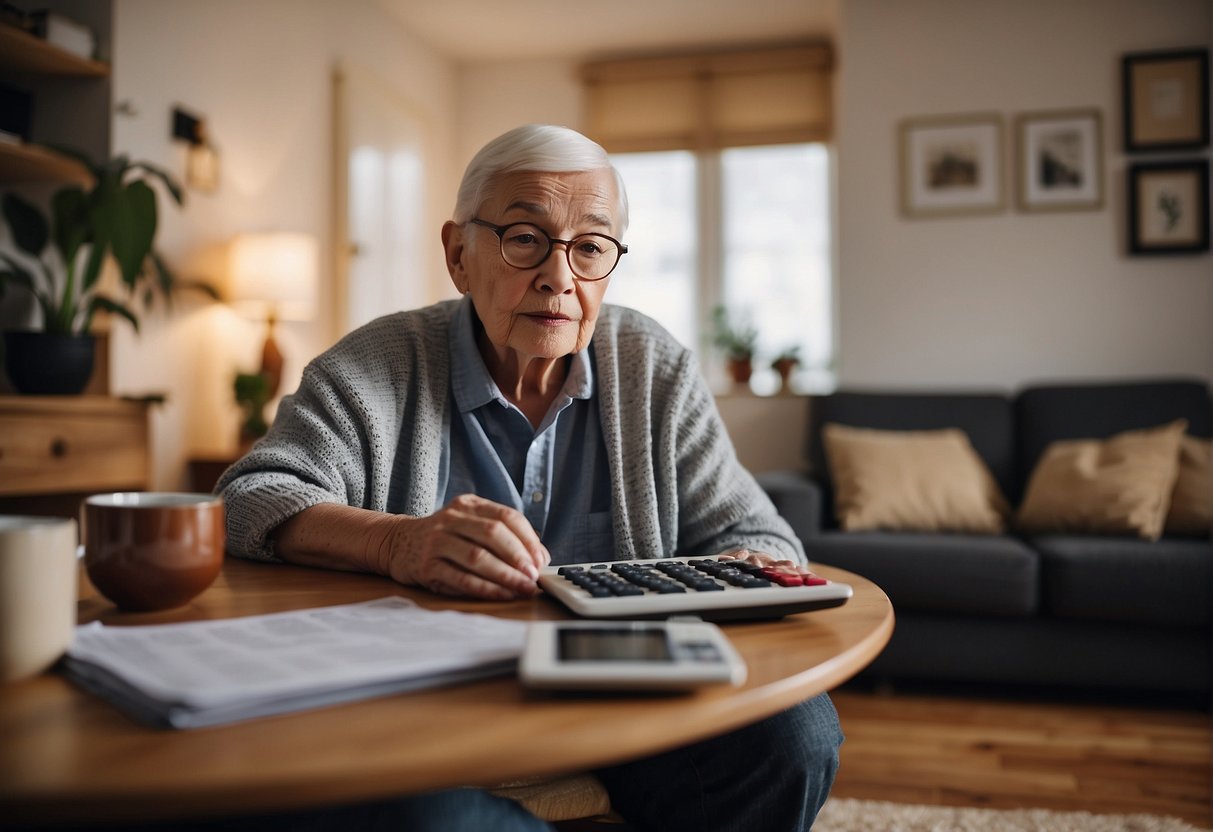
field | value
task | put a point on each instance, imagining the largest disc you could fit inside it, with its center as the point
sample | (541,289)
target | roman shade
(710,100)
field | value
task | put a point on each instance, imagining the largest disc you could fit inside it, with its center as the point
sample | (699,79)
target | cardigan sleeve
(314,453)
(677,487)
(720,505)
(365,429)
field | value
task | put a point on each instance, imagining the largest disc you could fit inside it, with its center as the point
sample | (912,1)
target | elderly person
(464,446)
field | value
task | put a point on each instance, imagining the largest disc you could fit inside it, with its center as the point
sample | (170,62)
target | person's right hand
(470,547)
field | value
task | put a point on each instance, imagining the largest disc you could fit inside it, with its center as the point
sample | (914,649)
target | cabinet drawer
(48,453)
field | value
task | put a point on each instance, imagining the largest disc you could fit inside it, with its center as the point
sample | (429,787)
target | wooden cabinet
(54,450)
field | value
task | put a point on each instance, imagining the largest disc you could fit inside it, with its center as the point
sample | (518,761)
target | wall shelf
(22,52)
(31,163)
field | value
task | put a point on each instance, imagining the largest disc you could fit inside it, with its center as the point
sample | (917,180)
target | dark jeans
(772,776)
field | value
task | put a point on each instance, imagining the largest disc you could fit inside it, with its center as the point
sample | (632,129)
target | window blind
(711,100)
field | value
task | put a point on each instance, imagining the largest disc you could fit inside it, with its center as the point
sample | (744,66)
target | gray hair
(544,148)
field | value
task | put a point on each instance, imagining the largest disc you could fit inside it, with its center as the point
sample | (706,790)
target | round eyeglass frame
(620,248)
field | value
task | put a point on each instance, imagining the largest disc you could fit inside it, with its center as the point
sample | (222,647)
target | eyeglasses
(525,246)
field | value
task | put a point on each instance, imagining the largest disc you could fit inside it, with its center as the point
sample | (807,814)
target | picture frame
(1168,207)
(952,165)
(1060,160)
(1166,100)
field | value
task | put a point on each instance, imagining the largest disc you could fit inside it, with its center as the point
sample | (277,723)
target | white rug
(847,815)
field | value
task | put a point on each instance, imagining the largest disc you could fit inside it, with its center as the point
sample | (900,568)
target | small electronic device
(707,587)
(628,655)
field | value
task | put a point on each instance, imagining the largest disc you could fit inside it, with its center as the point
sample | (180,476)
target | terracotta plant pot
(740,370)
(784,367)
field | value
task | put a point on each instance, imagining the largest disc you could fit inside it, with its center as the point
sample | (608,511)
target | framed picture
(1061,161)
(1166,100)
(951,165)
(1169,207)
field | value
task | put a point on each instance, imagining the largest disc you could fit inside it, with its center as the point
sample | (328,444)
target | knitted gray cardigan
(369,423)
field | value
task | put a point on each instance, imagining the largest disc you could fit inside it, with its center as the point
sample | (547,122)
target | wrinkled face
(541,312)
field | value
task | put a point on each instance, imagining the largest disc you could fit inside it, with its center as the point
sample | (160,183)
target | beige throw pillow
(1119,485)
(929,480)
(1191,511)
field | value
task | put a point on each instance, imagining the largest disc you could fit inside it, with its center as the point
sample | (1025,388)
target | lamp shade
(274,273)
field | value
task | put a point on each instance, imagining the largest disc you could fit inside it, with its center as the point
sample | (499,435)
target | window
(746,227)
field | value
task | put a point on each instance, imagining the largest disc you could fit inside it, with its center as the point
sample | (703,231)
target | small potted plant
(58,258)
(784,364)
(252,394)
(737,341)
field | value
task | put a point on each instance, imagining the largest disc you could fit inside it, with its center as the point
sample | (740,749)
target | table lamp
(273,275)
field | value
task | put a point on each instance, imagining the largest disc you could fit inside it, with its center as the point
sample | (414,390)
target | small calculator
(628,655)
(713,589)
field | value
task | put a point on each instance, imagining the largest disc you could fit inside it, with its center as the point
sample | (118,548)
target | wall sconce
(274,276)
(201,158)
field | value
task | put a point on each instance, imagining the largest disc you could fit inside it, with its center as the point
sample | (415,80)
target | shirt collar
(470,380)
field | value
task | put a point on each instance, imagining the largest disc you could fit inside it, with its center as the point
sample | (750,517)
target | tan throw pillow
(1119,485)
(927,480)
(1191,511)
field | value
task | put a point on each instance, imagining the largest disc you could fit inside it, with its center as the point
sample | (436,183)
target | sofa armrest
(797,499)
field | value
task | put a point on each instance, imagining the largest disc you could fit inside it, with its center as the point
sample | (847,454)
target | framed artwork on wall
(951,165)
(1166,100)
(1169,207)
(1060,160)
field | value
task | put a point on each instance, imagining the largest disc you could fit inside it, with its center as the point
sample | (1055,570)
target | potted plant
(59,258)
(737,341)
(785,363)
(252,394)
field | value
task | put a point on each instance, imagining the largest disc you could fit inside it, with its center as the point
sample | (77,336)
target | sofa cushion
(1192,499)
(920,480)
(1046,413)
(1120,485)
(986,418)
(976,574)
(1123,579)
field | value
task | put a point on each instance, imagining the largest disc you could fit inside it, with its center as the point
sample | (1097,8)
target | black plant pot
(42,364)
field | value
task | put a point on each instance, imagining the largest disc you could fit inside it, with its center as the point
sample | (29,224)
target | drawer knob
(59,448)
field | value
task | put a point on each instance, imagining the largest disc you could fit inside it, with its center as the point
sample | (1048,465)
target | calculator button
(783,578)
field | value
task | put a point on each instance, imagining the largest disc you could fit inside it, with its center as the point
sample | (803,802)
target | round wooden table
(66,755)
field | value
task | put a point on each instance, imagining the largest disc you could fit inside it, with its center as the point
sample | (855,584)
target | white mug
(37,593)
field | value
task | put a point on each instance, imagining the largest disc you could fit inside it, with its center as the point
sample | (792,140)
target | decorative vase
(45,364)
(784,367)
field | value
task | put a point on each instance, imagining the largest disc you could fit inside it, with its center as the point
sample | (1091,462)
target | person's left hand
(789,567)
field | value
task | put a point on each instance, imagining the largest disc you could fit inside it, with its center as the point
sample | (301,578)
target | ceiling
(492,30)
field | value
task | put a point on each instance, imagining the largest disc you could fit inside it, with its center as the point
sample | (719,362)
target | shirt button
(537,497)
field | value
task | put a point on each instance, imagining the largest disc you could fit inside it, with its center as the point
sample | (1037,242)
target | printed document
(212,672)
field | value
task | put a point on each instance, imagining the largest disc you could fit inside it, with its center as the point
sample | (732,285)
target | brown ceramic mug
(152,551)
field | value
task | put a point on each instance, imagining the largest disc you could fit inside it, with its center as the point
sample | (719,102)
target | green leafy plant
(789,357)
(737,340)
(252,394)
(63,253)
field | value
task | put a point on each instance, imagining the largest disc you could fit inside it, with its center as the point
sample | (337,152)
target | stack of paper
(212,672)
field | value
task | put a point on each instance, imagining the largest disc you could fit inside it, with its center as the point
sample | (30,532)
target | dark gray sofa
(1069,610)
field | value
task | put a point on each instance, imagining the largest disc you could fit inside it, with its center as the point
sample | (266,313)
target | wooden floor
(944,748)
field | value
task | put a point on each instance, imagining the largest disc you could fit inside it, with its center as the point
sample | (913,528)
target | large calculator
(713,589)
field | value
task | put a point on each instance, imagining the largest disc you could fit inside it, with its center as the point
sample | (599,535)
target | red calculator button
(814,580)
(782,578)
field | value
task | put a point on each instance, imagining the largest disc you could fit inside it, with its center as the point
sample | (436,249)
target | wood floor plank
(959,750)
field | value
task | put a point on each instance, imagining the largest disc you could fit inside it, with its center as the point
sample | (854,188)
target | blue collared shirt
(556,475)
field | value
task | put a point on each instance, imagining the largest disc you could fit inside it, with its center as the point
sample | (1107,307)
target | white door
(381,198)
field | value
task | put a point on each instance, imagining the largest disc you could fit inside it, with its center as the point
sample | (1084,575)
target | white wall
(1001,300)
(497,96)
(261,75)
